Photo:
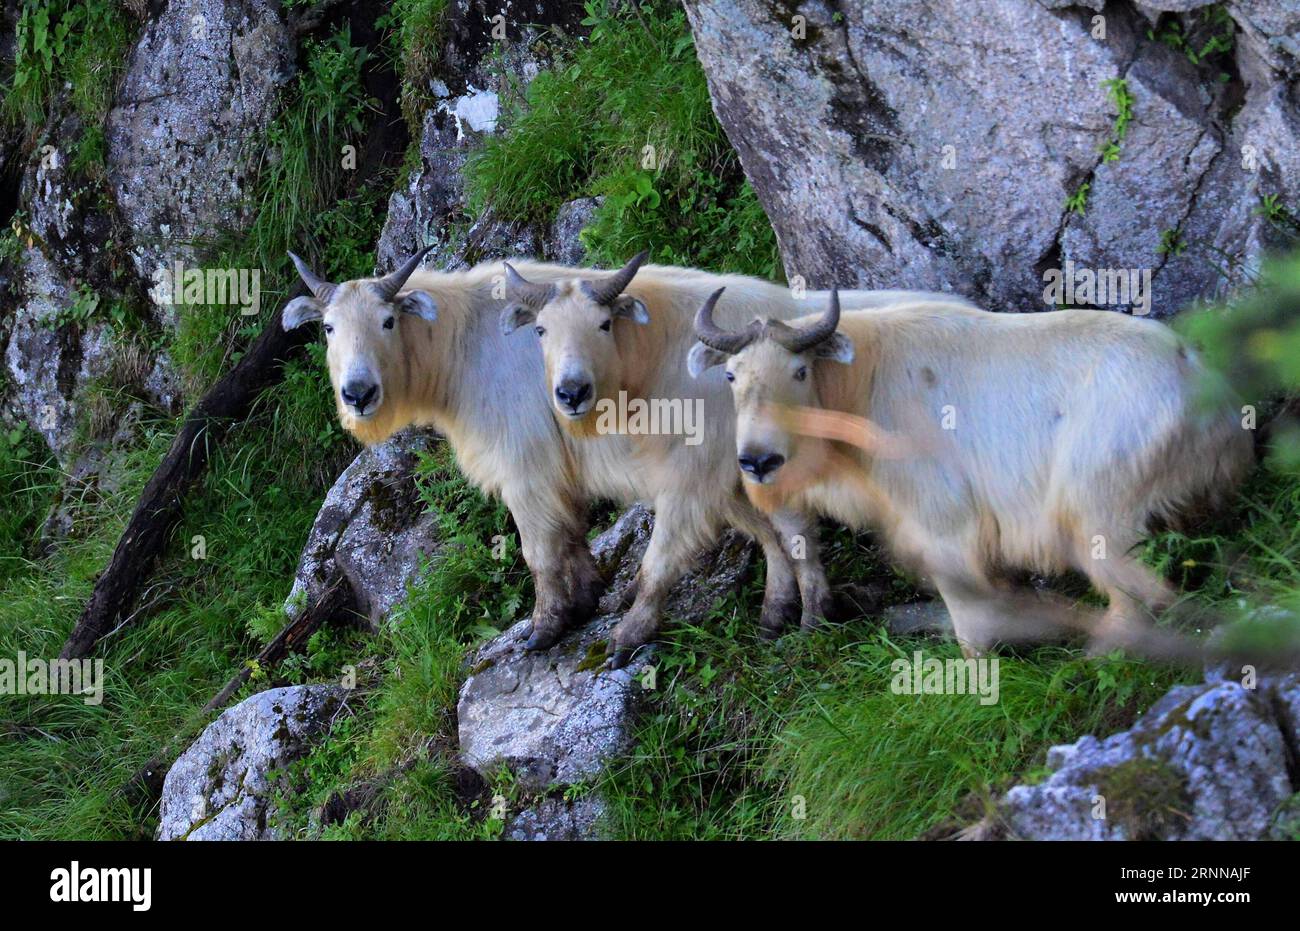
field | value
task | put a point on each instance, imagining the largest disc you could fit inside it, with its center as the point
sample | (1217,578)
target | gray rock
(201,86)
(372,529)
(563,244)
(619,550)
(918,617)
(553,717)
(556,819)
(163,385)
(1206,762)
(556,718)
(222,787)
(935,145)
(50,362)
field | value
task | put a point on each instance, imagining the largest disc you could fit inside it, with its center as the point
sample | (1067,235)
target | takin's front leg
(679,534)
(781,590)
(798,534)
(567,583)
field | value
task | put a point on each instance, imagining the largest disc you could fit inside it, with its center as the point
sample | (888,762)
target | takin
(419,347)
(983,445)
(615,345)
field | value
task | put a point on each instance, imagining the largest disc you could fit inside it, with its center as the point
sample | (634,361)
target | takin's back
(1081,417)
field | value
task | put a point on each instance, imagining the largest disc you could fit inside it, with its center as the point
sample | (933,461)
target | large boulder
(201,86)
(372,530)
(223,786)
(1206,762)
(936,145)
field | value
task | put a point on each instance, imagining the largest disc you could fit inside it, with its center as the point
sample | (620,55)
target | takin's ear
(701,358)
(516,315)
(301,310)
(419,303)
(839,348)
(627,306)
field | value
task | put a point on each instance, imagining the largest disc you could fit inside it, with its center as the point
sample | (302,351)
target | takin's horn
(519,288)
(603,292)
(713,336)
(318,286)
(799,339)
(390,284)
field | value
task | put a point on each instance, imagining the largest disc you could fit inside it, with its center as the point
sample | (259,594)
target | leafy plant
(1117,93)
(649,145)
(1078,201)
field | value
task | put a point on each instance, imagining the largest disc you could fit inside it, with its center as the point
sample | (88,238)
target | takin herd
(983,446)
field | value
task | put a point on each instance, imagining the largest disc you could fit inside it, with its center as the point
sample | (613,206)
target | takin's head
(770,366)
(363,322)
(574,322)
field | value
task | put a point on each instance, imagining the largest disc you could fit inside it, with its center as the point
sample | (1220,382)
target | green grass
(627,116)
(27,484)
(295,204)
(63,764)
(80,44)
(739,735)
(804,739)
(409,738)
(415,34)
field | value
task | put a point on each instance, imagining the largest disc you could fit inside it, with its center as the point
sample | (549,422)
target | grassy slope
(740,735)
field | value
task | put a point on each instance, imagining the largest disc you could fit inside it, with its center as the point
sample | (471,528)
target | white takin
(419,347)
(614,343)
(984,444)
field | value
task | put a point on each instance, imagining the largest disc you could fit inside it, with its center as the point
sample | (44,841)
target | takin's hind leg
(975,620)
(781,590)
(1137,596)
(984,615)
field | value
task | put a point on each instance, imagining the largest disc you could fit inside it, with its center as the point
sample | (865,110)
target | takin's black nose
(358,394)
(572,393)
(760,464)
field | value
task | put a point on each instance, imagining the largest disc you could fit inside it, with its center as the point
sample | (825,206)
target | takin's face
(576,335)
(363,334)
(768,382)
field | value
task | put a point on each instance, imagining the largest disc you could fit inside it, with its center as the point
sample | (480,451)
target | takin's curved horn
(321,288)
(390,284)
(713,336)
(603,292)
(803,338)
(519,288)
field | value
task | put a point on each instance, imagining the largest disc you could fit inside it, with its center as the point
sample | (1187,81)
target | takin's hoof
(777,617)
(623,645)
(542,638)
(767,632)
(619,658)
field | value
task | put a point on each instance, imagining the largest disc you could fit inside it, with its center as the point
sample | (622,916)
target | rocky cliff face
(939,145)
(201,86)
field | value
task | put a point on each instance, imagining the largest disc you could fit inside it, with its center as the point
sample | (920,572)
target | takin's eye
(606,325)
(801,373)
(731,376)
(539,330)
(328,329)
(388,323)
